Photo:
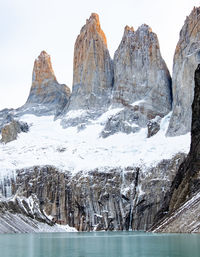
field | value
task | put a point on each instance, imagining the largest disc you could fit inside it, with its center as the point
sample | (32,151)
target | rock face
(46,94)
(140,73)
(118,199)
(142,83)
(186,58)
(23,215)
(185,219)
(187,180)
(93,69)
(10,131)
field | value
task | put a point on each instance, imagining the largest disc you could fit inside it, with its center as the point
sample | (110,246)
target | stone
(10,131)
(102,199)
(186,58)
(126,121)
(93,69)
(6,116)
(153,127)
(142,83)
(46,95)
(140,73)
(185,219)
(186,183)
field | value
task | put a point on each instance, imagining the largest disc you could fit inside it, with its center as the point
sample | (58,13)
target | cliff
(142,83)
(182,201)
(105,162)
(186,59)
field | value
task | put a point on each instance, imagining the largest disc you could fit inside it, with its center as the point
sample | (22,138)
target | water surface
(100,244)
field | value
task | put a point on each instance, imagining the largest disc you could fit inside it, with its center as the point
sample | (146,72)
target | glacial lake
(100,244)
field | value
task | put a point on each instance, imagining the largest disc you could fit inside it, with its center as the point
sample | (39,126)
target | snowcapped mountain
(97,158)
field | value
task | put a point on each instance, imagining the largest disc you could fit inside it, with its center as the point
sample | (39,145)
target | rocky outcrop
(6,116)
(127,121)
(186,58)
(46,96)
(187,180)
(105,199)
(153,127)
(10,131)
(93,69)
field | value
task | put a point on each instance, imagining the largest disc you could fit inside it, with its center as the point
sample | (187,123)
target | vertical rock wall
(186,58)
(140,73)
(93,69)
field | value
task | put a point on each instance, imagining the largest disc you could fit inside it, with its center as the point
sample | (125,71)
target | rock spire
(92,68)
(45,91)
(140,73)
(142,83)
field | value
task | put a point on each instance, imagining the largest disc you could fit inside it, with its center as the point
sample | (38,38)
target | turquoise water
(96,244)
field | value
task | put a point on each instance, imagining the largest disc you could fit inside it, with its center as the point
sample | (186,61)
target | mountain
(92,68)
(186,59)
(142,83)
(140,73)
(98,158)
(46,95)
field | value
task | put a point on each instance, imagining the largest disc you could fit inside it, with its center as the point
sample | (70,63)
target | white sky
(29,26)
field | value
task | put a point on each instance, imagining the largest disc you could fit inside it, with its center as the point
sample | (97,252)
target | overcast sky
(29,26)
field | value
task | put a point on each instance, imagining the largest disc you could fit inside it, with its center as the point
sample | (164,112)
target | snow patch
(85,150)
(138,102)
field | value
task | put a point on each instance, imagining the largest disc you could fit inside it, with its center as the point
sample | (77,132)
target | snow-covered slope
(74,149)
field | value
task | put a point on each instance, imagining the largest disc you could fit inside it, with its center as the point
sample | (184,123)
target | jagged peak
(94,17)
(128,31)
(190,28)
(127,28)
(93,26)
(145,27)
(194,16)
(195,12)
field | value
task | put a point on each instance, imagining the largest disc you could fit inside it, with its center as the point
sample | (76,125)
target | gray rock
(102,199)
(186,58)
(183,220)
(153,128)
(10,131)
(126,121)
(81,120)
(180,208)
(6,116)
(142,83)
(140,73)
